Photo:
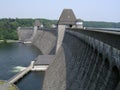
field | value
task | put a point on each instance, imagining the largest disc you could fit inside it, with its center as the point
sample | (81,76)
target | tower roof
(67,17)
(37,23)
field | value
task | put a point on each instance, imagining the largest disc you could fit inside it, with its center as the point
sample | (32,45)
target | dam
(80,59)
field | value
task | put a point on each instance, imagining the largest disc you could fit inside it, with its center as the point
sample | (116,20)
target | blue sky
(88,10)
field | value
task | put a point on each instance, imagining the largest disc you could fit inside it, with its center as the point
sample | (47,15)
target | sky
(87,10)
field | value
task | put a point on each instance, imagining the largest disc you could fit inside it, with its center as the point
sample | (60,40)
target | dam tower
(66,20)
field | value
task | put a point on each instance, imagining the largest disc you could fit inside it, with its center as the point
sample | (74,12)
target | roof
(44,59)
(67,17)
(37,23)
(79,20)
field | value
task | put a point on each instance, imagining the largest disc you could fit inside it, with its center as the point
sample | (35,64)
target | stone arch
(96,51)
(107,64)
(113,79)
(106,68)
(100,55)
(94,78)
(70,25)
(101,82)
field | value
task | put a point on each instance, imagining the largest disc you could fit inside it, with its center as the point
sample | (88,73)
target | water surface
(16,56)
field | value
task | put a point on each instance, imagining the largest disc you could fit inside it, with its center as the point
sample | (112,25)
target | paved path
(21,74)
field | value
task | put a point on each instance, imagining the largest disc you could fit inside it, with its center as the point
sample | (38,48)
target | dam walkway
(21,74)
(41,63)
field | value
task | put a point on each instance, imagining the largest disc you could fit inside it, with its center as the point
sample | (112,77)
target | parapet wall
(86,61)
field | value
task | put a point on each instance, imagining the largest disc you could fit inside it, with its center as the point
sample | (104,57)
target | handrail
(110,38)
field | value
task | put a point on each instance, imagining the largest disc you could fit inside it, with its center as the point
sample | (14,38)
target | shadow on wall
(46,41)
(78,66)
(86,69)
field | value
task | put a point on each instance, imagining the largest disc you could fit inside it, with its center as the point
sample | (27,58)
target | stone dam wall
(46,40)
(24,33)
(87,60)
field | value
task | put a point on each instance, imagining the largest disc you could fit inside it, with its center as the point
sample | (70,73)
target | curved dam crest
(84,59)
(83,66)
(81,63)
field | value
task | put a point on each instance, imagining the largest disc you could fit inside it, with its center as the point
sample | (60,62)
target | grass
(10,87)
(2,82)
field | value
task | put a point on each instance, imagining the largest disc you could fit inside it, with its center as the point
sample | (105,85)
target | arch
(107,64)
(94,78)
(70,25)
(113,79)
(91,47)
(100,55)
(103,75)
(96,51)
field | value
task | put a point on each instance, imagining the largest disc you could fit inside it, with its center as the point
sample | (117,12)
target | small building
(53,26)
(79,23)
(41,25)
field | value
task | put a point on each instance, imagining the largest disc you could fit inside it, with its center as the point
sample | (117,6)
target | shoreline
(9,41)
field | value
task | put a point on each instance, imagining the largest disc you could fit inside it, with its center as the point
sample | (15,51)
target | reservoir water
(16,56)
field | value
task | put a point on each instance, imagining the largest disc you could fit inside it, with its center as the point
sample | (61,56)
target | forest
(8,26)
(98,24)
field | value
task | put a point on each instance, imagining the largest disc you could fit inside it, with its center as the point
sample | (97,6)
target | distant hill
(98,24)
(8,26)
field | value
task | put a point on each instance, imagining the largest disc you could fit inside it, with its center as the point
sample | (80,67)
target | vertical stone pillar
(67,18)
(18,32)
(61,32)
(37,25)
(34,32)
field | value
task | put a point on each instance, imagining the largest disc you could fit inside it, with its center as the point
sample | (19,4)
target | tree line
(97,24)
(8,26)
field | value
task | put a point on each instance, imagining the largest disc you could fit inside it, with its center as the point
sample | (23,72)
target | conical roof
(67,17)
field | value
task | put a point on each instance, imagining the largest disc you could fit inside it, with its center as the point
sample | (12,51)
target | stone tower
(37,25)
(68,19)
